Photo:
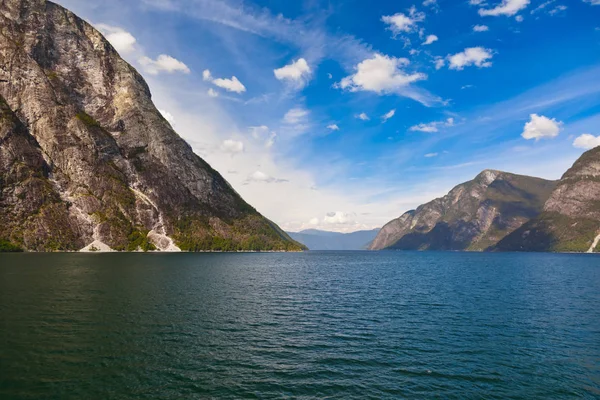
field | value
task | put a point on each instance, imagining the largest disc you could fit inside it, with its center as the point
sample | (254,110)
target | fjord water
(347,325)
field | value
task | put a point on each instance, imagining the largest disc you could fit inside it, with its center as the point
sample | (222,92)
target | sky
(343,114)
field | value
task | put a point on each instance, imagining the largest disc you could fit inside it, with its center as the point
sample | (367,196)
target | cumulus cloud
(432,127)
(388,115)
(297,73)
(333,127)
(540,127)
(430,3)
(337,218)
(403,23)
(231,85)
(481,28)
(123,41)
(168,116)
(430,39)
(163,63)
(506,7)
(363,116)
(439,62)
(232,146)
(477,56)
(212,93)
(587,141)
(380,74)
(261,177)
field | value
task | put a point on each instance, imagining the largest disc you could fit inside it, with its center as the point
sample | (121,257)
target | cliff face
(473,216)
(570,220)
(85,156)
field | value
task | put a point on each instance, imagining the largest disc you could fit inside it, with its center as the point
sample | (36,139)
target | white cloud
(337,218)
(380,74)
(439,62)
(506,7)
(540,127)
(333,127)
(168,116)
(263,133)
(476,2)
(587,141)
(388,115)
(298,72)
(123,41)
(314,221)
(432,127)
(232,146)
(271,140)
(428,3)
(295,116)
(430,39)
(519,18)
(329,76)
(593,2)
(558,9)
(431,155)
(163,63)
(212,93)
(481,28)
(363,117)
(477,56)
(259,176)
(231,85)
(402,23)
(428,128)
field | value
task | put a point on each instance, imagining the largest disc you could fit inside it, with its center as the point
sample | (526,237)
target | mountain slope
(570,220)
(323,240)
(473,216)
(88,159)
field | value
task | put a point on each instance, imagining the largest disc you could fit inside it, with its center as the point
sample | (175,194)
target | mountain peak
(88,159)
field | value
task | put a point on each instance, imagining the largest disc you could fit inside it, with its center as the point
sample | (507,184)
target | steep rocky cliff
(473,216)
(86,159)
(570,220)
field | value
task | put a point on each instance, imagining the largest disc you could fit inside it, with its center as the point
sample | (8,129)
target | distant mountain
(323,240)
(88,162)
(473,216)
(570,220)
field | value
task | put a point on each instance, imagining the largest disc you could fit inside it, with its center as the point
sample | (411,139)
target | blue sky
(343,114)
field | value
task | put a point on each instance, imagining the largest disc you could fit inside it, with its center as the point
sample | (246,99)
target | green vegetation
(251,233)
(138,239)
(88,120)
(8,247)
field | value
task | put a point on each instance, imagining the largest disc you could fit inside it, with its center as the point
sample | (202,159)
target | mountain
(86,159)
(322,240)
(570,220)
(473,216)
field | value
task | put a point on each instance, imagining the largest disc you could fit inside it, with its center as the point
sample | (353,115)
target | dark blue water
(352,325)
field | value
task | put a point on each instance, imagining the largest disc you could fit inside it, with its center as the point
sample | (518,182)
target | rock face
(86,157)
(570,220)
(474,216)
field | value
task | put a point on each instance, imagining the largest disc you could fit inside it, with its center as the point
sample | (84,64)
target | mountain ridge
(316,239)
(570,220)
(474,215)
(88,160)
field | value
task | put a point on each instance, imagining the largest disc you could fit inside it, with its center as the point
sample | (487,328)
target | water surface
(339,325)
